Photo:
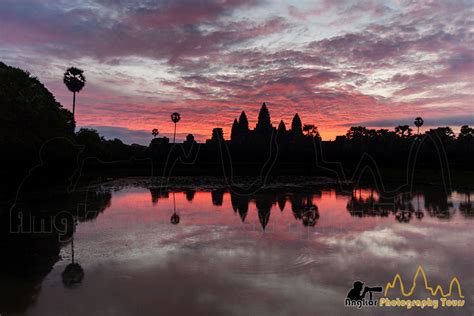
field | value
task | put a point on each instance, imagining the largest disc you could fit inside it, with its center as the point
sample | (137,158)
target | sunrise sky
(337,63)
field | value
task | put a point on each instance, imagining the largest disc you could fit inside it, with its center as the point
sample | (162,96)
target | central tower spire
(263,124)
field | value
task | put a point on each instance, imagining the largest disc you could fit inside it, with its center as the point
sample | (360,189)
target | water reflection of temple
(190,195)
(23,267)
(217,196)
(240,204)
(404,206)
(361,202)
(264,205)
(158,193)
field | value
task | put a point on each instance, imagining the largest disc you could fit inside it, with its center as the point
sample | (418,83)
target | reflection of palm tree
(156,194)
(359,206)
(466,206)
(310,215)
(175,217)
(403,207)
(418,213)
(73,273)
(175,117)
(403,216)
(437,203)
(74,80)
(418,123)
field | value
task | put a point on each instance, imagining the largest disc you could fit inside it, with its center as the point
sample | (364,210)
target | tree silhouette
(175,118)
(29,113)
(418,123)
(402,129)
(190,139)
(155,132)
(357,132)
(445,134)
(466,132)
(74,80)
(311,130)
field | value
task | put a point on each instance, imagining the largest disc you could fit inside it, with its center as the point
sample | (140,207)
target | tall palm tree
(74,80)
(418,123)
(175,117)
(155,132)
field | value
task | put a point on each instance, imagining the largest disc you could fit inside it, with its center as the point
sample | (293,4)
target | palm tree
(74,80)
(155,132)
(175,117)
(418,123)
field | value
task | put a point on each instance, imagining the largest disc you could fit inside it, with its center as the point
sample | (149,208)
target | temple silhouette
(264,131)
(362,201)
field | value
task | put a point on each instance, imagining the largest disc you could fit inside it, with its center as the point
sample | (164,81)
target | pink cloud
(217,62)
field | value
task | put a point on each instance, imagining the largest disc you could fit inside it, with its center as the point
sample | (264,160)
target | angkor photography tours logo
(418,293)
(357,295)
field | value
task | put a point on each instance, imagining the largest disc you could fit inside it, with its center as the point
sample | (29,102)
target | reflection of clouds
(381,242)
(417,230)
(219,265)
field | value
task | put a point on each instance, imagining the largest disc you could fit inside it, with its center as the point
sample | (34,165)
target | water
(286,250)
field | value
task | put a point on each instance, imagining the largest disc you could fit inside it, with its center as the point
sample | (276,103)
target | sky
(336,63)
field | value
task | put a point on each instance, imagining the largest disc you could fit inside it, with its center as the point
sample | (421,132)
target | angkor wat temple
(264,131)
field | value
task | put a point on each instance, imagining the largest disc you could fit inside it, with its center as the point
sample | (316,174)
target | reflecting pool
(283,250)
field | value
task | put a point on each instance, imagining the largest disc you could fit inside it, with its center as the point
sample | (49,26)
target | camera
(372,289)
